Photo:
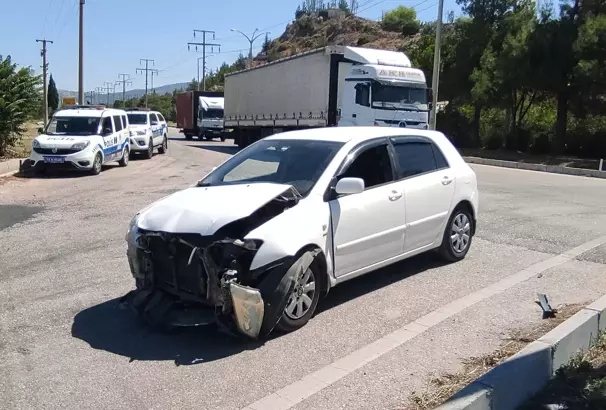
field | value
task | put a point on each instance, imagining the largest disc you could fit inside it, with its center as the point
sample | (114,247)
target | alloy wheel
(301,299)
(460,232)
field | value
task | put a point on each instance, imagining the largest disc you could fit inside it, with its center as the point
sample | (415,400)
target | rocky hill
(309,32)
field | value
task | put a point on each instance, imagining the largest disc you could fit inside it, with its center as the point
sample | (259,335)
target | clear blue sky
(120,32)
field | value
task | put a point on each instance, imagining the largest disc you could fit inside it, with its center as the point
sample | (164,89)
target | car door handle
(395,195)
(447,180)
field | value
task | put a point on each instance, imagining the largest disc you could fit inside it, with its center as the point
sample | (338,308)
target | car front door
(110,139)
(156,128)
(428,184)
(368,226)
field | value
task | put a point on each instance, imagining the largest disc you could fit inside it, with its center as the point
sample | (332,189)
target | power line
(124,81)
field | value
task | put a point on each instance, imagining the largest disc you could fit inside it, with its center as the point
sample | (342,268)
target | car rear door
(428,184)
(368,227)
(156,128)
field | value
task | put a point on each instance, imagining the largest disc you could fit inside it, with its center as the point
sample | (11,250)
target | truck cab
(210,118)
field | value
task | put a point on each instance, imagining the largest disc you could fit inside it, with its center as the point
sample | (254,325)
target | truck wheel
(150,150)
(164,147)
(189,137)
(96,169)
(125,155)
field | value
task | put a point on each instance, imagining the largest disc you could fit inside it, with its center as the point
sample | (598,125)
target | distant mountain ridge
(169,88)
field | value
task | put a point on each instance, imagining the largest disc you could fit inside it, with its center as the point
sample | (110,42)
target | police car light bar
(84,107)
(138,109)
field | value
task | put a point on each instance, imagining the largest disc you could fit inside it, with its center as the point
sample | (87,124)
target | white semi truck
(331,86)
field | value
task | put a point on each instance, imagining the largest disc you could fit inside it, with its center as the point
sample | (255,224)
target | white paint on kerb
(296,392)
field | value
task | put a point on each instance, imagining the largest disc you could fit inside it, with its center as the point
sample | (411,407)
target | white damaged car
(255,243)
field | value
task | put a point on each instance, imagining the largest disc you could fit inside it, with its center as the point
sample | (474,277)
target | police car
(82,138)
(148,131)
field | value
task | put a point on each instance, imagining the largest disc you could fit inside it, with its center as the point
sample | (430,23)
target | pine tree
(53,95)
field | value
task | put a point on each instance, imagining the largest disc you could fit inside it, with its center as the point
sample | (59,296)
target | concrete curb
(554,169)
(520,377)
(10,167)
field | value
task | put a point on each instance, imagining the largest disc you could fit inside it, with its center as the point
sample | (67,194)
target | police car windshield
(137,118)
(73,126)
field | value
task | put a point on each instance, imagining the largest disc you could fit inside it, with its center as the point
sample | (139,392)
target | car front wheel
(150,150)
(302,302)
(457,235)
(97,163)
(164,147)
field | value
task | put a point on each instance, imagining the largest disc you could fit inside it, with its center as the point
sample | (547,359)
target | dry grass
(441,388)
(23,147)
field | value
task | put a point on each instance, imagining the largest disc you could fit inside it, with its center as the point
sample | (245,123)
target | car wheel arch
(466,204)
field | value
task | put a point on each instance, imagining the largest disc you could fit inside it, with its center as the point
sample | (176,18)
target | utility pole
(435,82)
(203,44)
(146,70)
(44,67)
(99,91)
(107,87)
(251,39)
(81,55)
(154,71)
(124,81)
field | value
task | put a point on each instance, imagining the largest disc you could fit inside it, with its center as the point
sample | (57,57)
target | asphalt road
(64,342)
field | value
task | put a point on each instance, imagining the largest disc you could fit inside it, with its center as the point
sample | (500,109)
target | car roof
(87,112)
(354,134)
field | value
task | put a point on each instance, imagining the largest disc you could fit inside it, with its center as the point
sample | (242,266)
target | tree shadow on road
(108,327)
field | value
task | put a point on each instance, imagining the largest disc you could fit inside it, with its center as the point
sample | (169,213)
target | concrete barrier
(520,377)
(554,169)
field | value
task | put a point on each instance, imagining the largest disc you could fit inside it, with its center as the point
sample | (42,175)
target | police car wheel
(222,138)
(150,150)
(164,146)
(96,169)
(125,156)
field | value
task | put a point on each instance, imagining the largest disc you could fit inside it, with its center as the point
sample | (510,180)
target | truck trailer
(200,114)
(326,87)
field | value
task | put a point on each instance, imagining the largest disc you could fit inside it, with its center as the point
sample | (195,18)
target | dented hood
(204,210)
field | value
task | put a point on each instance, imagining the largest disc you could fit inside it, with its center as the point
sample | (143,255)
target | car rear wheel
(164,147)
(457,235)
(150,149)
(189,137)
(125,156)
(97,163)
(302,301)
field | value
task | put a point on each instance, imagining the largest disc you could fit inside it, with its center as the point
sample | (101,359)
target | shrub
(402,20)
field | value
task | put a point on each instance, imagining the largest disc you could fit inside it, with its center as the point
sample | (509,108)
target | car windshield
(137,119)
(399,97)
(73,126)
(213,113)
(299,163)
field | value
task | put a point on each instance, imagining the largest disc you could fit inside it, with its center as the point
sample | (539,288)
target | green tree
(401,19)
(53,95)
(118,104)
(19,101)
(266,43)
(192,85)
(344,6)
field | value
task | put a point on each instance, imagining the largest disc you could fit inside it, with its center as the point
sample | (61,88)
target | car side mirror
(107,131)
(349,186)
(40,130)
(429,94)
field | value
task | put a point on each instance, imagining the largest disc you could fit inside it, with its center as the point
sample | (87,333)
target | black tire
(448,250)
(164,147)
(97,163)
(125,157)
(189,137)
(290,324)
(149,153)
(222,138)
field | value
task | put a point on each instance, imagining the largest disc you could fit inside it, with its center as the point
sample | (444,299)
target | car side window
(373,165)
(124,121)
(415,157)
(440,159)
(161,118)
(118,123)
(152,118)
(107,124)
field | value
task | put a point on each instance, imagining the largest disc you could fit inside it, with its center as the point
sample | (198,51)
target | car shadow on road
(109,327)
(223,149)
(61,173)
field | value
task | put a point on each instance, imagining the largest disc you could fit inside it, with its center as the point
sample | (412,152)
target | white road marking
(296,392)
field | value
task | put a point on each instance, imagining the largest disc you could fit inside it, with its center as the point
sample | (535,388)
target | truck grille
(172,271)
(55,151)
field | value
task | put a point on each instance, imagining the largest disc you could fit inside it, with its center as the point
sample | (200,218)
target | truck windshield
(137,119)
(294,162)
(73,126)
(213,113)
(399,97)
